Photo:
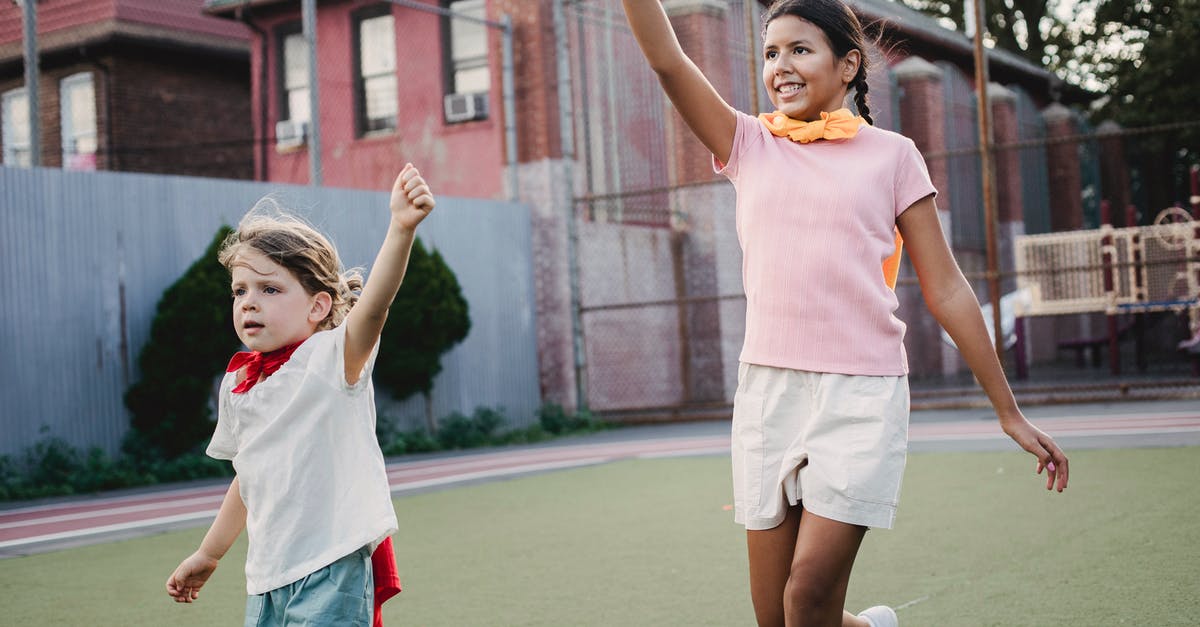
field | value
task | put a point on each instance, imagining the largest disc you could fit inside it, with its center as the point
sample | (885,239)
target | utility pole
(308,13)
(989,175)
(29,21)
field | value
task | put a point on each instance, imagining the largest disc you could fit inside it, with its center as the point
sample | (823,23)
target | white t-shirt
(311,473)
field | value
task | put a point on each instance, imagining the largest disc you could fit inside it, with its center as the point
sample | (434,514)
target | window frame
(449,67)
(8,152)
(65,116)
(282,32)
(362,125)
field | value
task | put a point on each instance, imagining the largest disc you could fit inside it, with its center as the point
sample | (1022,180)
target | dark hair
(841,28)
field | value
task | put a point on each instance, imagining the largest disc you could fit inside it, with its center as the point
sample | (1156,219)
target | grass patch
(648,542)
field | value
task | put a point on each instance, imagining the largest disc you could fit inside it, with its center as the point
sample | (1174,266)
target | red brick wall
(178,115)
(170,114)
(535,77)
(697,29)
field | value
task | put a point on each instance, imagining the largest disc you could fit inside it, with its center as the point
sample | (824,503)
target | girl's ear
(322,304)
(850,64)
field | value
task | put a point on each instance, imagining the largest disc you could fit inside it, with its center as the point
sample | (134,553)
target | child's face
(270,307)
(800,70)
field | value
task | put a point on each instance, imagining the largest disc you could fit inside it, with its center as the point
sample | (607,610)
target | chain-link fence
(662,308)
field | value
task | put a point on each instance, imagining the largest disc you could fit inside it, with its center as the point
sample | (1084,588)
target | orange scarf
(837,125)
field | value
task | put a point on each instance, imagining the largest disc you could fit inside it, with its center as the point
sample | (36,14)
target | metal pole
(751,46)
(29,20)
(612,162)
(309,15)
(510,109)
(989,177)
(567,138)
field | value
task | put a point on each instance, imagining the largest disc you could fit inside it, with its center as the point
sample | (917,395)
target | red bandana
(258,364)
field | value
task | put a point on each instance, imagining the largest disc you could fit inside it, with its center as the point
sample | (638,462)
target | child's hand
(411,198)
(1050,457)
(184,584)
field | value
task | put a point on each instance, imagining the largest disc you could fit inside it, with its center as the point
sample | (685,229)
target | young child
(297,418)
(820,424)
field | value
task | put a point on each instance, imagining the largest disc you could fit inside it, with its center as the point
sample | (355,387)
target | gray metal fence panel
(87,255)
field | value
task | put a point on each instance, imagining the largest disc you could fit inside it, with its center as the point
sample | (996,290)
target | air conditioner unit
(290,133)
(466,107)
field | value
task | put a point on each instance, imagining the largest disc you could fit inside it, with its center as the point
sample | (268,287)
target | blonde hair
(307,254)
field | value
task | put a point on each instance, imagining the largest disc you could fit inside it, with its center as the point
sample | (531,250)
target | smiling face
(271,309)
(802,74)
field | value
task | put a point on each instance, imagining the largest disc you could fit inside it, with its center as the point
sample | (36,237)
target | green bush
(459,431)
(428,317)
(191,340)
(555,420)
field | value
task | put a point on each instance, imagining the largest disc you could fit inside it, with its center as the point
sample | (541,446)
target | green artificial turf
(650,542)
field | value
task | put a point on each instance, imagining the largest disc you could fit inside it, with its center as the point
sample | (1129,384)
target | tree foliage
(1030,28)
(428,318)
(191,339)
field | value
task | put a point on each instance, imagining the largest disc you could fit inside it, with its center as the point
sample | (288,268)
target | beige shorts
(835,442)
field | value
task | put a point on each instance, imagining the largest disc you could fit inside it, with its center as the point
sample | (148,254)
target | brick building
(129,85)
(390,71)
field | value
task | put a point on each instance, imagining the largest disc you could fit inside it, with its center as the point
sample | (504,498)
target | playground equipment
(1114,271)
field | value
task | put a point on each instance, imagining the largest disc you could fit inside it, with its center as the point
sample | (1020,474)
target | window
(376,92)
(77,98)
(465,49)
(293,72)
(15,114)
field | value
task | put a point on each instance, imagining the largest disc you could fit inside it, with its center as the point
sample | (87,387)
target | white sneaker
(880,616)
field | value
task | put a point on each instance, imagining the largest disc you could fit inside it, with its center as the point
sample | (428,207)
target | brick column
(1010,208)
(922,119)
(697,24)
(1114,171)
(1066,179)
(546,182)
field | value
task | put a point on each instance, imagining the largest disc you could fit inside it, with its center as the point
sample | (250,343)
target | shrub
(459,431)
(555,420)
(428,317)
(191,340)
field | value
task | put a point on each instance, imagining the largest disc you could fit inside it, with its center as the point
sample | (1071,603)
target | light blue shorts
(342,593)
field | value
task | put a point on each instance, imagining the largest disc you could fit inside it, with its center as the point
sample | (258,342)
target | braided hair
(841,28)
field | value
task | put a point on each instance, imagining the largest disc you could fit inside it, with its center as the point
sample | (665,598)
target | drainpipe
(261,140)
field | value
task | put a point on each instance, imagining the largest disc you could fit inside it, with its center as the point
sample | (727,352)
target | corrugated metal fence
(86,257)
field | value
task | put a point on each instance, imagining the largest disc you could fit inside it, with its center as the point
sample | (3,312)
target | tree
(1029,28)
(191,340)
(1150,61)
(428,318)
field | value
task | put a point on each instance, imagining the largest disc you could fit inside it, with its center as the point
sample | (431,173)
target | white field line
(113,511)
(138,524)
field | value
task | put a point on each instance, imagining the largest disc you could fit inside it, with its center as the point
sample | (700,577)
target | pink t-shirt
(815,222)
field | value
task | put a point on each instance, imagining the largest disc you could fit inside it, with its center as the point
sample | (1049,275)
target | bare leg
(800,570)
(771,552)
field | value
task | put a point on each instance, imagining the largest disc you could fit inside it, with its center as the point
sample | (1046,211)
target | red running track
(78,520)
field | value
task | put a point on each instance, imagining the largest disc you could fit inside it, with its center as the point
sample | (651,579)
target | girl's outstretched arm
(193,572)
(953,304)
(705,112)
(411,202)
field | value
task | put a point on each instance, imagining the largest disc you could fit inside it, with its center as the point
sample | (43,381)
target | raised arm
(953,304)
(705,112)
(193,572)
(411,202)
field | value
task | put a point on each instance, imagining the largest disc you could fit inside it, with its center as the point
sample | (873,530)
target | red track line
(79,518)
